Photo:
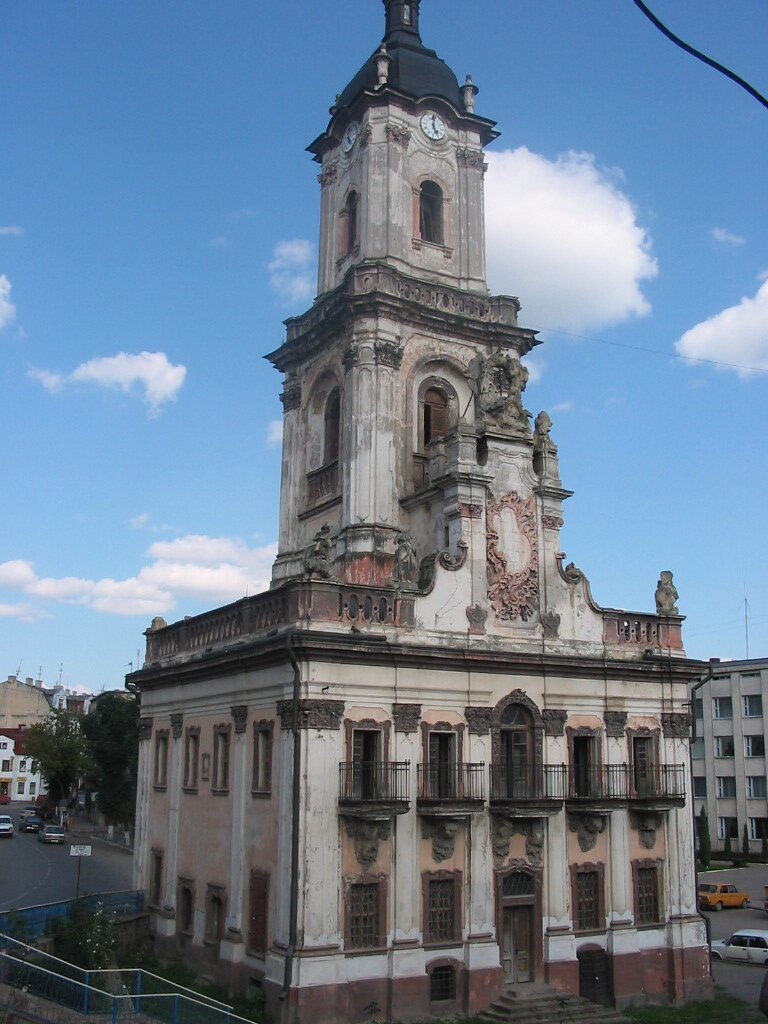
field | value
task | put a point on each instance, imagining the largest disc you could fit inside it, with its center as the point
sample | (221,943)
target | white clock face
(433,126)
(349,138)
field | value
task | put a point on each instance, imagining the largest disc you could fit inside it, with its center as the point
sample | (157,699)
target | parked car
(716,895)
(51,834)
(4,798)
(6,826)
(747,946)
(30,824)
(30,811)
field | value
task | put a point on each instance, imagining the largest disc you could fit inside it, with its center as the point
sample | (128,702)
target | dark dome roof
(416,72)
(413,70)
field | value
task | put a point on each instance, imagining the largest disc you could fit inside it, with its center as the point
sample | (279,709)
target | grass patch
(722,1009)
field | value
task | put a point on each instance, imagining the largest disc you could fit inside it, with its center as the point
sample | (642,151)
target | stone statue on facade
(317,557)
(542,425)
(666,594)
(498,383)
(406,571)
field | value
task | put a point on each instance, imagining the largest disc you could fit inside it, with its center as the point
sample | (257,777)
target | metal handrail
(451,781)
(374,781)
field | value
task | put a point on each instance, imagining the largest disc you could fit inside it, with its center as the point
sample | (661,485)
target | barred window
(442,983)
(441,910)
(647,909)
(364,915)
(587,901)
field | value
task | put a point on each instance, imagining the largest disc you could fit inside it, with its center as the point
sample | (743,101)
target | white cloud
(726,237)
(535,366)
(565,238)
(12,230)
(566,406)
(737,335)
(159,379)
(275,433)
(7,308)
(205,569)
(291,270)
(140,521)
(219,242)
(22,612)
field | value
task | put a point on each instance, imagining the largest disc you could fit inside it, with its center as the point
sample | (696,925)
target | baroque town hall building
(425,763)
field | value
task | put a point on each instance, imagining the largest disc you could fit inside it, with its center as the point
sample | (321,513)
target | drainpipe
(295,808)
(694,690)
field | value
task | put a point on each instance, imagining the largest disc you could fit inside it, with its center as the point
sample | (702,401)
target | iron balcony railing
(451,782)
(374,781)
(527,783)
(530,783)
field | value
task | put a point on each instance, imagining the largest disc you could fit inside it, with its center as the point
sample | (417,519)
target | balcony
(528,789)
(374,789)
(450,789)
(323,483)
(652,785)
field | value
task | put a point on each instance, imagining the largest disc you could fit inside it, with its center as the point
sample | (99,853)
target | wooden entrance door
(517,944)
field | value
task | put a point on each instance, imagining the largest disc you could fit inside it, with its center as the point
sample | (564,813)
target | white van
(6,825)
(746,946)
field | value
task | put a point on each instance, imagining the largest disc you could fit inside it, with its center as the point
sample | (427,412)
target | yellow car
(716,895)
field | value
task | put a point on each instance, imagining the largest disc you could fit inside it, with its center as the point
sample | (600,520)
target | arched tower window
(350,223)
(331,428)
(431,213)
(435,416)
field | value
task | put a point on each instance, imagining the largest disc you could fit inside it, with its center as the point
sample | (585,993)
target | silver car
(6,825)
(747,946)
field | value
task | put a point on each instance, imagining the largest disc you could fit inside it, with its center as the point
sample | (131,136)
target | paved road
(740,980)
(32,873)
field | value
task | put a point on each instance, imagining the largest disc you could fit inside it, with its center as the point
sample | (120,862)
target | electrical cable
(698,55)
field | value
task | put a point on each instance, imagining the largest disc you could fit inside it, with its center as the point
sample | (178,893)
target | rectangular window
(754,746)
(752,706)
(722,707)
(6,766)
(23,764)
(700,787)
(21,787)
(220,779)
(726,787)
(756,787)
(647,895)
(185,918)
(364,915)
(262,757)
(587,901)
(750,675)
(697,748)
(215,914)
(32,788)
(367,769)
(442,983)
(191,757)
(161,759)
(440,911)
(698,709)
(724,746)
(758,828)
(257,916)
(727,828)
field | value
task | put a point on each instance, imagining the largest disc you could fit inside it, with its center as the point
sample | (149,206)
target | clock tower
(392,375)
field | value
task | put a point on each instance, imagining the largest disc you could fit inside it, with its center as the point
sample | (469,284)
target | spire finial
(402,16)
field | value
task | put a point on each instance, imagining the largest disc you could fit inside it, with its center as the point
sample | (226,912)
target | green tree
(112,735)
(85,937)
(705,841)
(57,746)
(745,839)
(727,844)
(764,847)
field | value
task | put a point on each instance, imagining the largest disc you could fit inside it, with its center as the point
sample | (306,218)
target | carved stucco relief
(587,828)
(366,836)
(513,595)
(503,829)
(442,832)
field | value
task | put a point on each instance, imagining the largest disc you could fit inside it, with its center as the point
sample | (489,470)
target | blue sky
(158,221)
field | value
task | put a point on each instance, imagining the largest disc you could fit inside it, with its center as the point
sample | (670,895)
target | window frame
(263,742)
(720,742)
(452,880)
(222,749)
(380,911)
(598,870)
(716,708)
(745,699)
(191,763)
(748,741)
(723,782)
(750,785)
(185,885)
(638,867)
(160,765)
(215,894)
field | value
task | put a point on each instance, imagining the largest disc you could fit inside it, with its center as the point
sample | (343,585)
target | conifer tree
(705,842)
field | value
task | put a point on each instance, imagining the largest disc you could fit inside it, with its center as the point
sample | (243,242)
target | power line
(699,55)
(654,351)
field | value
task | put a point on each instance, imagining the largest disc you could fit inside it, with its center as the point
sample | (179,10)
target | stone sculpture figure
(317,557)
(498,383)
(666,594)
(406,569)
(542,425)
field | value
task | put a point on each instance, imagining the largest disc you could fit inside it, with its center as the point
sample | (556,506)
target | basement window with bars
(442,983)
(364,915)
(647,895)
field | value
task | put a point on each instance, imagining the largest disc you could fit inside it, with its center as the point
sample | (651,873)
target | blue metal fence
(32,922)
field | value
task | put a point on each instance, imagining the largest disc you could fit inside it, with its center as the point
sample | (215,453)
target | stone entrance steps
(541,1004)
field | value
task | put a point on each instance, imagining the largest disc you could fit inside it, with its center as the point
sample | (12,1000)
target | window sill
(446,944)
(368,951)
(160,787)
(215,791)
(263,794)
(190,789)
(419,243)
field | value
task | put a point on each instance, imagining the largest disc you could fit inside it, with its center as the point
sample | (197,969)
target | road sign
(80,851)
